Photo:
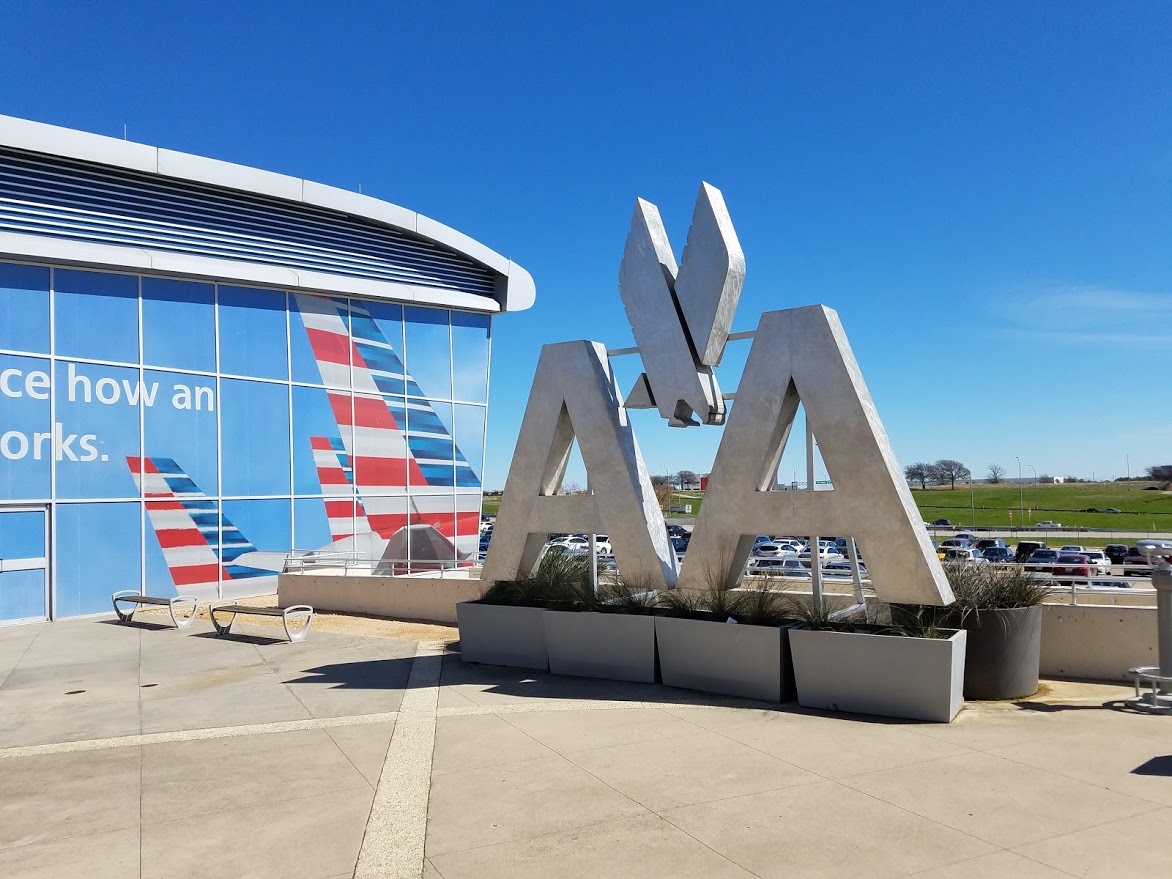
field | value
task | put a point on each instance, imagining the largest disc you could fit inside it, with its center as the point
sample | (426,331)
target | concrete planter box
(1004,653)
(496,634)
(732,659)
(916,678)
(614,646)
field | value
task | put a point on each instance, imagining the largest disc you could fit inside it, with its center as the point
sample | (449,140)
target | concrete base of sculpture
(614,646)
(495,634)
(729,658)
(916,678)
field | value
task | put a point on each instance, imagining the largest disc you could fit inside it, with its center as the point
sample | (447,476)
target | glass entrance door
(24,563)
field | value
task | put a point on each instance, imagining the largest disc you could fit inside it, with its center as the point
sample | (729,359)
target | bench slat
(244,608)
(144,599)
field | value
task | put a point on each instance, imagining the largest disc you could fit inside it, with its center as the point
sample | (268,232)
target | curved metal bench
(283,612)
(137,599)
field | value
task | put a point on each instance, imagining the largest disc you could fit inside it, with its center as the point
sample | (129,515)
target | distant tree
(657,481)
(996,473)
(1160,473)
(919,472)
(684,478)
(948,470)
(665,491)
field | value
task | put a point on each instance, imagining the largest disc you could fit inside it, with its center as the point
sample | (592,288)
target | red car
(1070,565)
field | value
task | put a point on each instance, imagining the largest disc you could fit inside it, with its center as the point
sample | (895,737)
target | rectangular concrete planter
(614,646)
(496,634)
(732,659)
(916,678)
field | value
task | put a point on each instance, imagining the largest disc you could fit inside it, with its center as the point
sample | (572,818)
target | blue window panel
(254,436)
(22,595)
(257,535)
(98,418)
(311,525)
(429,350)
(99,551)
(470,438)
(253,332)
(470,340)
(26,429)
(178,324)
(24,308)
(96,315)
(438,475)
(181,426)
(377,329)
(312,418)
(329,317)
(22,534)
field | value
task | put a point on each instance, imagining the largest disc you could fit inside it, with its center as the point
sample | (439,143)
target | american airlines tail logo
(681,319)
(681,316)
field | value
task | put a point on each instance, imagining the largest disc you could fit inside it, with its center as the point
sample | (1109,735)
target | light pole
(1020,496)
(1031,466)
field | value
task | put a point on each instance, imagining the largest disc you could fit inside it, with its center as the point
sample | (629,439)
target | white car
(825,554)
(1048,524)
(773,550)
(577,542)
(1072,547)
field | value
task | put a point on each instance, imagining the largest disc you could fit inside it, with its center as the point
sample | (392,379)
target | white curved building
(205,367)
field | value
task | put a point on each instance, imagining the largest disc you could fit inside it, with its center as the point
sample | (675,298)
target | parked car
(1137,562)
(1116,552)
(825,554)
(1026,548)
(776,568)
(679,545)
(1042,560)
(578,542)
(842,569)
(965,555)
(1112,510)
(989,542)
(998,554)
(773,550)
(1048,524)
(965,535)
(1099,559)
(942,523)
(678,531)
(960,542)
(1072,547)
(1070,565)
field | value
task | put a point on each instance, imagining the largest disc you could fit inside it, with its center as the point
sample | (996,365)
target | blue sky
(982,191)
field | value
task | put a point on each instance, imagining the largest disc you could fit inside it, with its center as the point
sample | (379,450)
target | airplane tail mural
(200,546)
(346,516)
(390,443)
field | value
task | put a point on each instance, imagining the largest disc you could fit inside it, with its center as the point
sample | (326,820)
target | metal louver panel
(81,201)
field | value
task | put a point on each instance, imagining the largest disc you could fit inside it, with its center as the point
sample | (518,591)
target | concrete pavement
(139,751)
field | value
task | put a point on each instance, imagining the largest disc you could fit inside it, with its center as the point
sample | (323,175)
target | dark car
(942,523)
(1042,560)
(998,554)
(989,542)
(1116,552)
(1137,562)
(1027,548)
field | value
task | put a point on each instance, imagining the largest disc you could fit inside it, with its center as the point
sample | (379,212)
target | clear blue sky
(983,191)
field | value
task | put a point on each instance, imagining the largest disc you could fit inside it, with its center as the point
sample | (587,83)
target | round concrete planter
(1004,649)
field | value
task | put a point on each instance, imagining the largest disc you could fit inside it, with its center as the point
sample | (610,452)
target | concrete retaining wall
(406,598)
(1099,643)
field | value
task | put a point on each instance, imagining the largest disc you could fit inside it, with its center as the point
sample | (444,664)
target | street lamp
(1031,466)
(1020,496)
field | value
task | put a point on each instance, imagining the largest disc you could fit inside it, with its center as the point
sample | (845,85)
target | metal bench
(283,612)
(137,599)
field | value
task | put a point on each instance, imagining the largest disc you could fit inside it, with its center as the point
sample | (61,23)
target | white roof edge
(516,290)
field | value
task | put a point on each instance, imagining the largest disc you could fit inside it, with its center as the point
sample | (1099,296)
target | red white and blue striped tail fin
(199,544)
(391,442)
(346,515)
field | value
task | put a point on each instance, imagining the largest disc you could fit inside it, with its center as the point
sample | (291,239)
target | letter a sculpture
(681,318)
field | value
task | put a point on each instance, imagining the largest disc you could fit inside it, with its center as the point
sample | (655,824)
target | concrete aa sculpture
(681,318)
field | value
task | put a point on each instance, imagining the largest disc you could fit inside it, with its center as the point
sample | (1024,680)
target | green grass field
(1141,510)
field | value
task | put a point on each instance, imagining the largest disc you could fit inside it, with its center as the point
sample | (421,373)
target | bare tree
(685,478)
(1160,472)
(948,470)
(996,473)
(918,472)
